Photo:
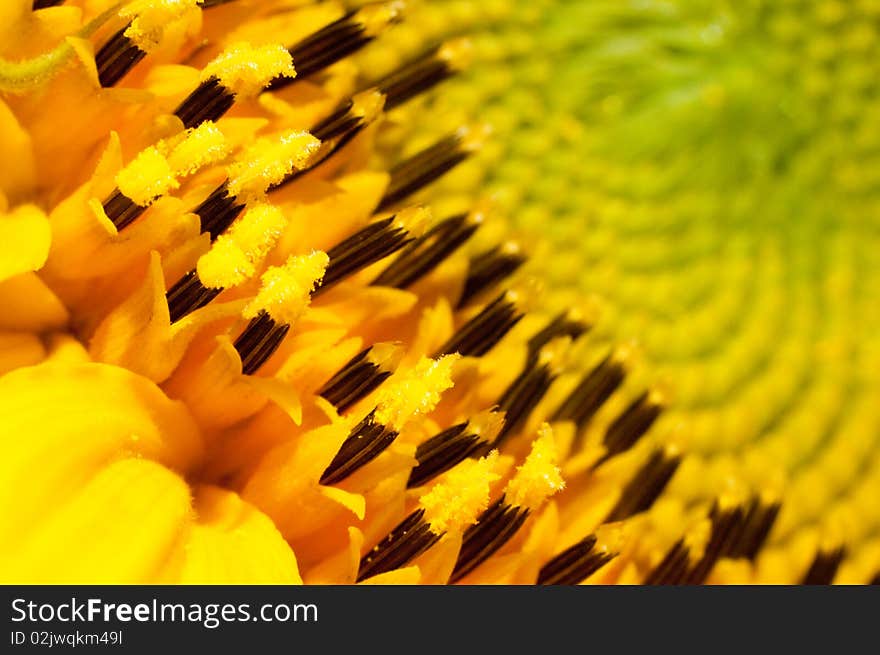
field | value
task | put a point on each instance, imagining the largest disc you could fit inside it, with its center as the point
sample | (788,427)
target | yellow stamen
(268,161)
(286,290)
(150,19)
(414,393)
(456,502)
(147,177)
(245,69)
(539,477)
(235,255)
(195,149)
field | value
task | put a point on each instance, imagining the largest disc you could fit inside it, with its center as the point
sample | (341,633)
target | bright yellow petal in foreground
(24,241)
(61,423)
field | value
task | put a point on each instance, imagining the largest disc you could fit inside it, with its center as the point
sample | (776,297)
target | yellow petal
(61,422)
(24,240)
(234,543)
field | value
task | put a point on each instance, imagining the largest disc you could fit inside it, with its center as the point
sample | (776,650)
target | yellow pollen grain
(147,177)
(150,19)
(286,290)
(415,392)
(539,477)
(235,255)
(455,503)
(245,69)
(268,161)
(197,148)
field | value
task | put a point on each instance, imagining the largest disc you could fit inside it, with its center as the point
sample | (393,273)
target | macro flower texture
(440,292)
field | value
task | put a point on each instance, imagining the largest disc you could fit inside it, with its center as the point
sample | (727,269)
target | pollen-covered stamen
(426,252)
(401,400)
(157,171)
(116,58)
(453,445)
(428,165)
(583,559)
(339,128)
(756,526)
(148,21)
(488,269)
(339,39)
(629,427)
(536,480)
(233,259)
(824,566)
(283,296)
(569,323)
(265,163)
(447,508)
(591,393)
(479,335)
(361,375)
(646,485)
(530,386)
(240,71)
(372,244)
(424,73)
(187,295)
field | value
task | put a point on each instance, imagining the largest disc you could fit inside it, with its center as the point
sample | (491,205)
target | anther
(144,31)
(527,390)
(824,566)
(43,4)
(426,252)
(488,269)
(494,528)
(409,539)
(372,244)
(726,525)
(576,563)
(479,335)
(361,375)
(453,445)
(591,393)
(401,400)
(424,73)
(629,427)
(116,58)
(339,39)
(187,295)
(338,129)
(535,480)
(646,485)
(756,526)
(240,71)
(283,296)
(157,171)
(426,166)
(568,323)
(217,212)
(673,568)
(447,508)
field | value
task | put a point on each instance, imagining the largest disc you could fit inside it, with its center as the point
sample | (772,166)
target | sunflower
(512,292)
